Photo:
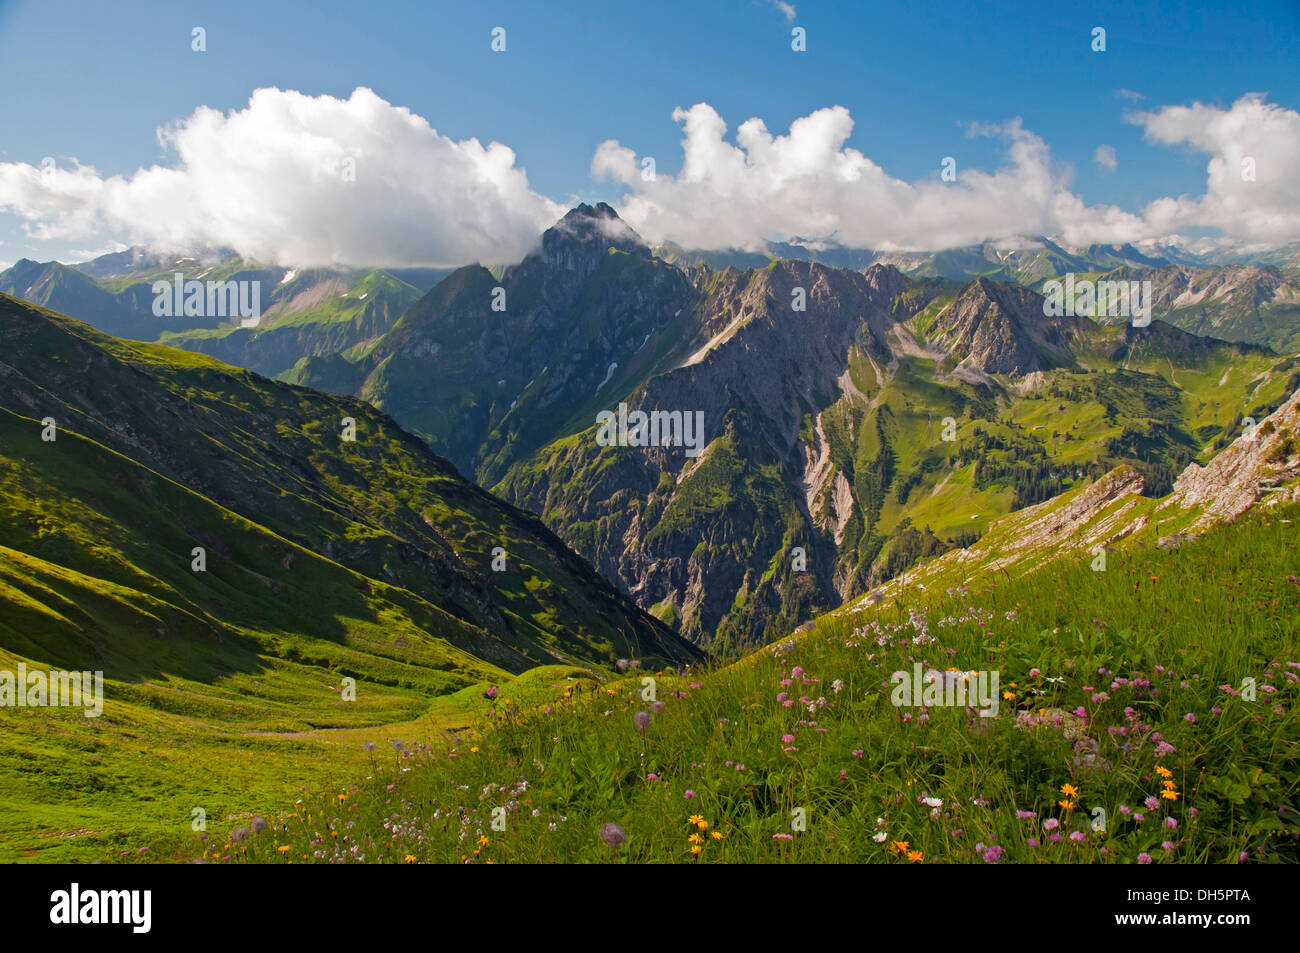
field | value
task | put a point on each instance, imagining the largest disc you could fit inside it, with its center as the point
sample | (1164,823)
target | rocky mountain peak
(579,240)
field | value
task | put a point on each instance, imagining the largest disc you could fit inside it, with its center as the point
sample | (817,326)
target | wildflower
(1069,790)
(695,838)
(409,858)
(284,848)
(612,834)
(258,824)
(658,707)
(993,855)
(342,798)
(1067,805)
(837,686)
(474,750)
(1025,815)
(491,693)
(787,739)
(642,720)
(1189,717)
(716,835)
(915,856)
(694,819)
(1169,795)
(1163,771)
(1171,823)
(652,777)
(1051,824)
(1151,803)
(880,836)
(1078,837)
(900,846)
(1144,858)
(688,795)
(857,753)
(703,825)
(482,841)
(696,848)
(791,837)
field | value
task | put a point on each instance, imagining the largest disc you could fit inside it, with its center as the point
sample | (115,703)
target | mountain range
(859,413)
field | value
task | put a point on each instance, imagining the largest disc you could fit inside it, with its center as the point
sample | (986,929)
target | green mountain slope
(325,558)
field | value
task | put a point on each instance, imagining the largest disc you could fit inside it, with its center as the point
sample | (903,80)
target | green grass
(1175,626)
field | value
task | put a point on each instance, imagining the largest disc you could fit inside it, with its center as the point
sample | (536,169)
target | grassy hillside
(1120,690)
(325,559)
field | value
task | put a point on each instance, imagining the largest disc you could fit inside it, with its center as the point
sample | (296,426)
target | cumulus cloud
(1253,186)
(808,183)
(300,180)
(1105,157)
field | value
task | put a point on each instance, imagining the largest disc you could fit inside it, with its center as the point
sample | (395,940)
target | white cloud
(89,254)
(1253,185)
(265,180)
(810,184)
(268,181)
(1129,95)
(787,9)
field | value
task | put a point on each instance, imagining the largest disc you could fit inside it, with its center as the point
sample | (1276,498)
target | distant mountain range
(304,312)
(860,412)
(824,426)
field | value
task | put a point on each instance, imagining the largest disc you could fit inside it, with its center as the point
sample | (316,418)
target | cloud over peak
(300,180)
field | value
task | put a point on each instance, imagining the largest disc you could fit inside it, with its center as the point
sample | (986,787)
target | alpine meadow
(739,433)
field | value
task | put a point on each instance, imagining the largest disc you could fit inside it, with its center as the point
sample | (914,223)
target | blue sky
(94,81)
